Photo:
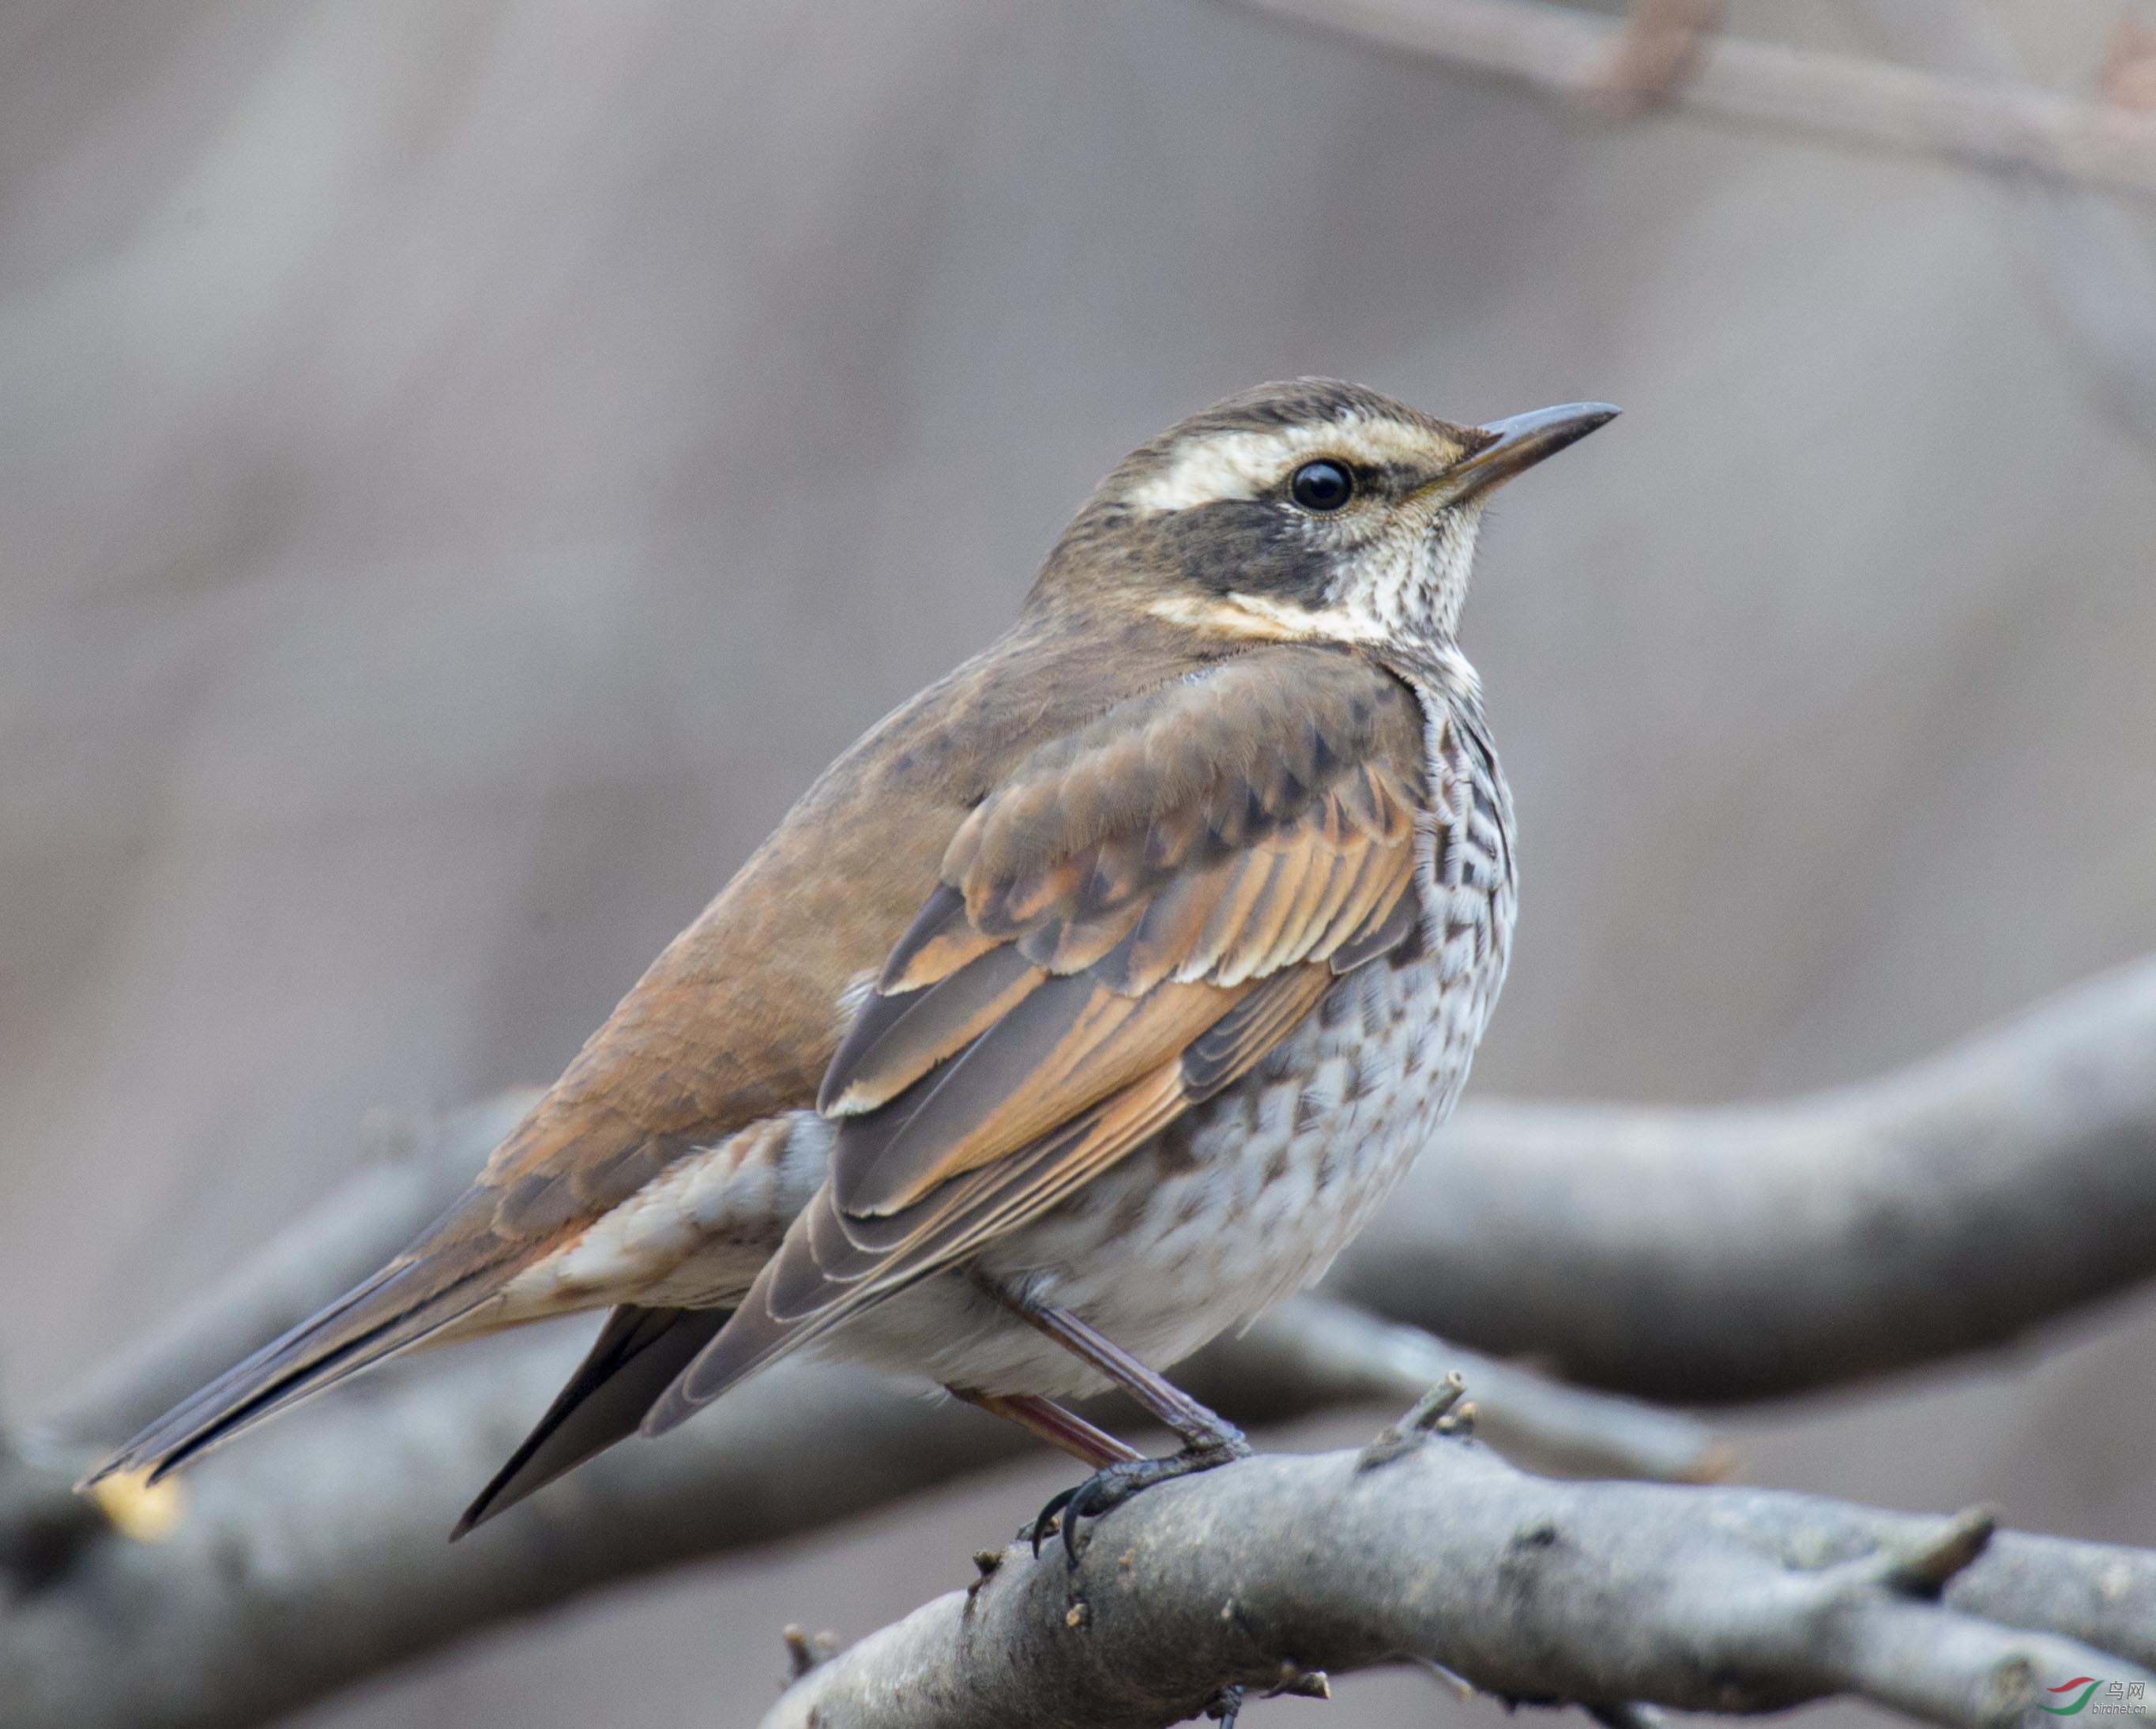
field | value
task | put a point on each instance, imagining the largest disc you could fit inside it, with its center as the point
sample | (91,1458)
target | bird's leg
(1199,1429)
(1061,1428)
(1207,1439)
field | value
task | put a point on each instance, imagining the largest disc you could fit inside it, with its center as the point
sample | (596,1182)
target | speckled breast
(1251,1195)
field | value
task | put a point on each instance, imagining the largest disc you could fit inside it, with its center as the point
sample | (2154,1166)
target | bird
(1086,1005)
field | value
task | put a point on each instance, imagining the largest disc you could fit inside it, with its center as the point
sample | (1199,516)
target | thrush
(1085,1006)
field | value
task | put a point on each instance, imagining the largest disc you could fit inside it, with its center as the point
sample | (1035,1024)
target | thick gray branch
(1707,1599)
(1567,53)
(1703,1255)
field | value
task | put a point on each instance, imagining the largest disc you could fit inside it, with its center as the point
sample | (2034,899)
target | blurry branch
(315,1553)
(42,1521)
(1261,1573)
(1965,99)
(411,1176)
(2081,251)
(1676,1254)
(1655,52)
(2127,78)
(1567,53)
(1703,1255)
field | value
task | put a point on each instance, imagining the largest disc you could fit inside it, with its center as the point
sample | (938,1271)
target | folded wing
(1124,927)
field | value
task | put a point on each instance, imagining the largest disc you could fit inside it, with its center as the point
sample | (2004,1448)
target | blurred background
(465,466)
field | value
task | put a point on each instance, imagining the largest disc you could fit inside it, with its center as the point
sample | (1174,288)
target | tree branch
(1315,1352)
(1565,53)
(412,1174)
(1706,1255)
(316,1553)
(1715,1599)
(1677,1254)
(2080,250)
(1693,1253)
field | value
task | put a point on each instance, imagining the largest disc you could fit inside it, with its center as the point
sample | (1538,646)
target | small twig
(1423,1415)
(2127,78)
(1412,1430)
(1317,1346)
(1924,1568)
(1458,1685)
(806,1650)
(1298,1683)
(1658,49)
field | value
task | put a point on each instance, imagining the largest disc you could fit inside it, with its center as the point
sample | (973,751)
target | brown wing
(1123,927)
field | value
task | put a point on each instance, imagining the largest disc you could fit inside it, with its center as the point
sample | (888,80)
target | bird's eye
(1322,486)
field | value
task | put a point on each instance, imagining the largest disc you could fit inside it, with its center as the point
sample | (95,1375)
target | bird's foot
(1112,1485)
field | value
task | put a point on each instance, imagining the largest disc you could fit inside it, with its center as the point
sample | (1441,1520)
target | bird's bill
(1517,444)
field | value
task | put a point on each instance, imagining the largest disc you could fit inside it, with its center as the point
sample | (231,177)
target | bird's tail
(411,1300)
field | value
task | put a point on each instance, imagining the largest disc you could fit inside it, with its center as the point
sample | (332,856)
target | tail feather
(389,1313)
(629,1366)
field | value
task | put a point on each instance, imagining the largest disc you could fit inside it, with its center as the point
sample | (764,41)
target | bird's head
(1310,510)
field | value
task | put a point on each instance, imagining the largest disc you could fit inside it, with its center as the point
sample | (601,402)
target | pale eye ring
(1321,487)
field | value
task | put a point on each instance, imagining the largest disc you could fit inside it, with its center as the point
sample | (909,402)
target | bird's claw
(1105,1490)
(1046,1521)
(1112,1485)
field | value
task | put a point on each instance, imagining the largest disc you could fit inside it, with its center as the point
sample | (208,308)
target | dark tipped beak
(1518,444)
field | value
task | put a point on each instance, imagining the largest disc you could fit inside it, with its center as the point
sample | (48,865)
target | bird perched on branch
(1100,993)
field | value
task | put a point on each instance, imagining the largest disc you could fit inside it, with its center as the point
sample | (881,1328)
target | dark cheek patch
(1248,547)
